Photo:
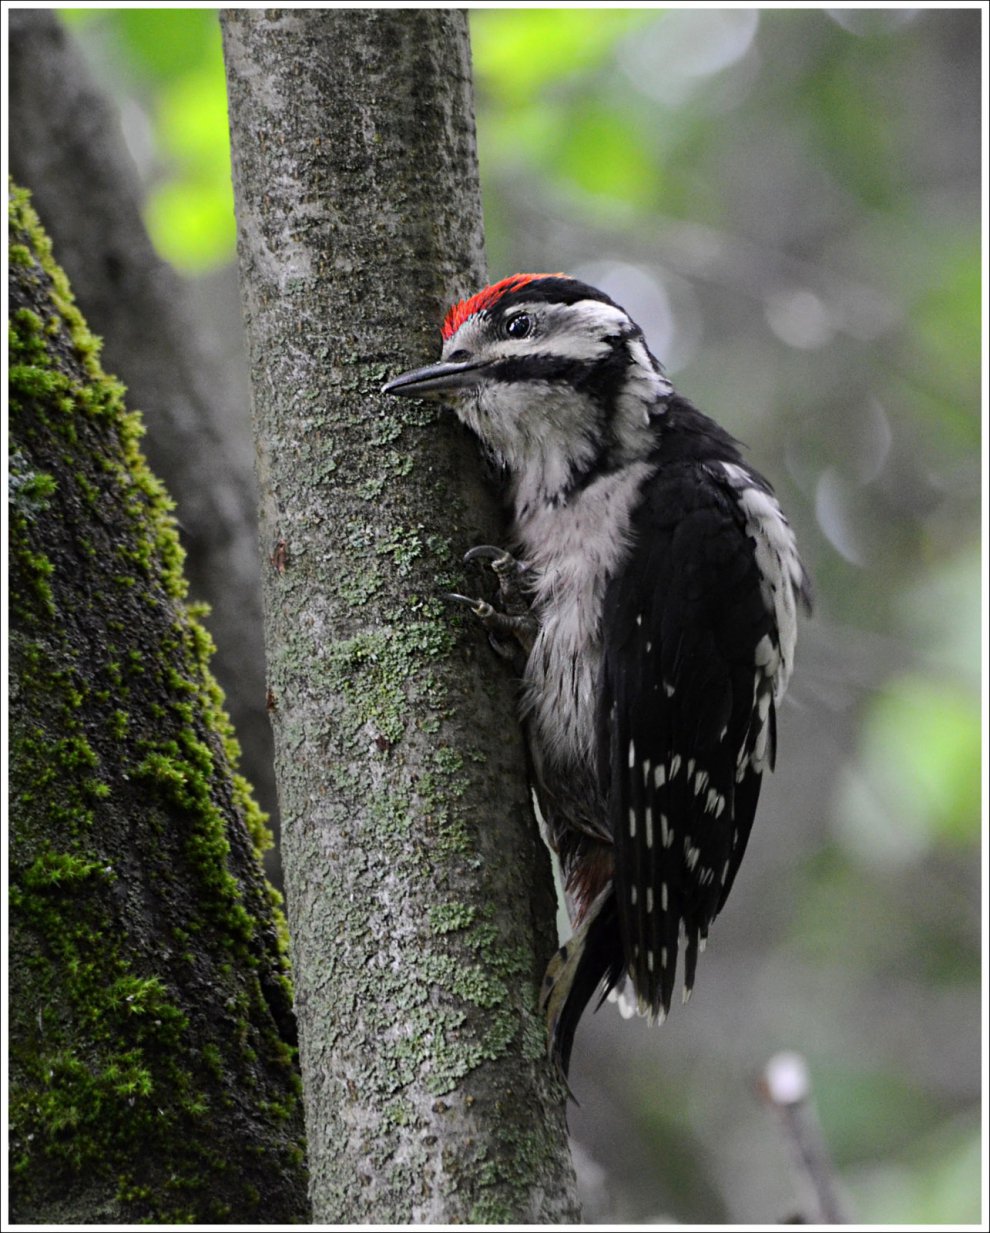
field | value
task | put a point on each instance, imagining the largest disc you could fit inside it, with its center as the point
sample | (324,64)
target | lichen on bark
(152,1068)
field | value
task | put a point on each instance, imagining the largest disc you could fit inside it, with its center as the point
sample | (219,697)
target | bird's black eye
(519,326)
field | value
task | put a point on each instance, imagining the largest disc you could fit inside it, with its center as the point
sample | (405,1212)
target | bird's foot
(512,619)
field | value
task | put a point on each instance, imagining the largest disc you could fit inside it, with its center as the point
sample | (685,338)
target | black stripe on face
(604,377)
(600,379)
(561,369)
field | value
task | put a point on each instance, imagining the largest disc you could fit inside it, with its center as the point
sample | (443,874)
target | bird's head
(552,375)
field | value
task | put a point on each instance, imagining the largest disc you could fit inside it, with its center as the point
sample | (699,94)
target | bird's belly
(560,683)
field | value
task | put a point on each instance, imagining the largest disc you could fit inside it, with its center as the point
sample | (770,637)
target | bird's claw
(500,625)
(480,607)
(512,619)
(500,560)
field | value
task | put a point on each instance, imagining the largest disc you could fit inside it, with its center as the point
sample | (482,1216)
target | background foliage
(789,203)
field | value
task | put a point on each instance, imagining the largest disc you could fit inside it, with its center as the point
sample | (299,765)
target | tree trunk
(151,1074)
(69,151)
(419,894)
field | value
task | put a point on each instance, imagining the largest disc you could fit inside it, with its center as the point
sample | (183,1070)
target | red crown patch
(487,298)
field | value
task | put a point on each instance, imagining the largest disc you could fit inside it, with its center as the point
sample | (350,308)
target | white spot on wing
(778,562)
(766,655)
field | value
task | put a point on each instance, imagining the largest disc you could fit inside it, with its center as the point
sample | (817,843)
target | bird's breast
(572,551)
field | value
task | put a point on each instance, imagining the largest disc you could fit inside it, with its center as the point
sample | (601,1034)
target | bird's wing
(692,665)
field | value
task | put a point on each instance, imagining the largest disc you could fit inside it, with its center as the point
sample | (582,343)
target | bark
(68,149)
(419,894)
(151,1069)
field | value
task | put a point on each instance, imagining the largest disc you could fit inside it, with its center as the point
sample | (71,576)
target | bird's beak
(434,379)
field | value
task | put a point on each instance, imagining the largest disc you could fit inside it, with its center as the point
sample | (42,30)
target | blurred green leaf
(603,155)
(925,735)
(516,53)
(77,17)
(947,323)
(939,1183)
(192,222)
(509,136)
(192,120)
(167,42)
(841,103)
(866,1114)
(917,781)
(940,612)
(853,915)
(171,60)
(537,68)
(191,215)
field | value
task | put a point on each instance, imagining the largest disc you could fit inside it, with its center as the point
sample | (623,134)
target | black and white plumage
(663,583)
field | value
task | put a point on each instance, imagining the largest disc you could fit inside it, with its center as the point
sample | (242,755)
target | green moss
(122,799)
(33,597)
(30,492)
(51,869)
(19,254)
(66,1106)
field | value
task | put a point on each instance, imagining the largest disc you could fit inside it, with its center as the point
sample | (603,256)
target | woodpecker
(653,584)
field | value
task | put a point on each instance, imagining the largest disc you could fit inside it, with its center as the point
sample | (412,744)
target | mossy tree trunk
(419,894)
(70,153)
(151,1069)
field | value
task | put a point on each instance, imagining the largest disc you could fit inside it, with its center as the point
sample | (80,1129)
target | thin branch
(785,1085)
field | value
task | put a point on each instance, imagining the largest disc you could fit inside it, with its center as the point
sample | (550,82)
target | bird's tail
(592,958)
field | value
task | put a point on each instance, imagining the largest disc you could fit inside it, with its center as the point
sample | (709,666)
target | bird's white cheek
(465,405)
(495,421)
